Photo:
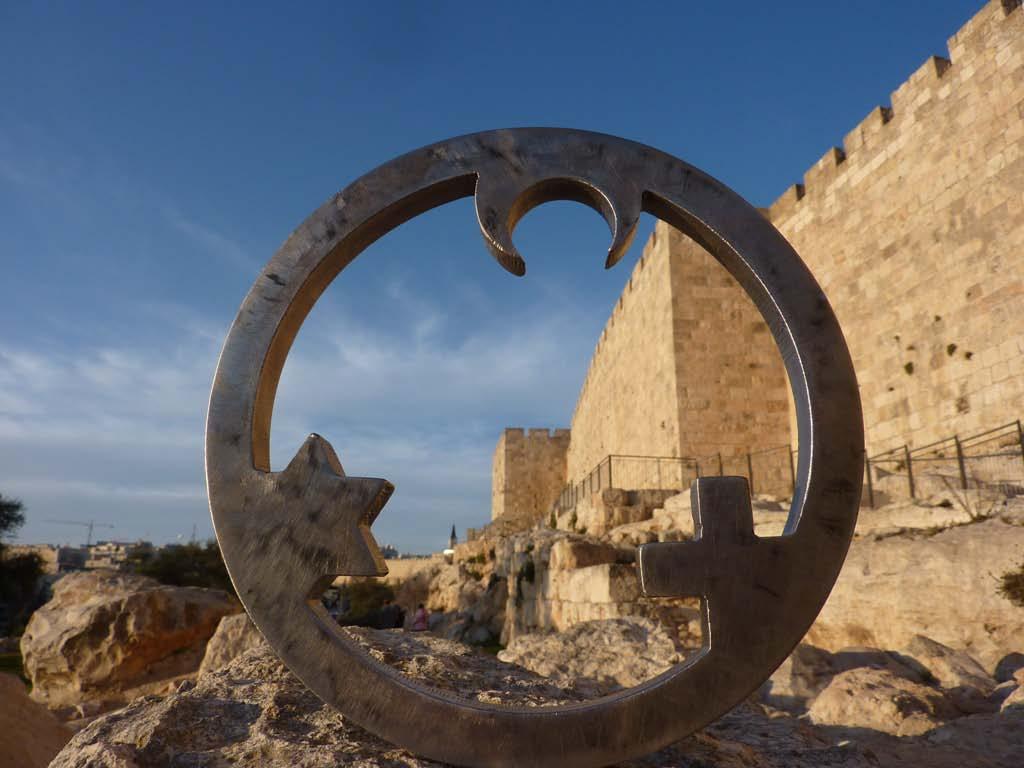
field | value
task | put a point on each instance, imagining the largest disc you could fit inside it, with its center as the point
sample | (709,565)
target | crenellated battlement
(864,135)
(622,306)
(528,472)
(535,433)
(994,31)
(913,227)
(823,171)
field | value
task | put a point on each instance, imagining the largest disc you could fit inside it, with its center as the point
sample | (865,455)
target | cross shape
(723,526)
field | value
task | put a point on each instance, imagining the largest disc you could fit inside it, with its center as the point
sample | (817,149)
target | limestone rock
(1014,701)
(234,636)
(1009,666)
(30,735)
(895,663)
(943,586)
(255,713)
(968,684)
(106,637)
(569,554)
(770,515)
(465,604)
(633,534)
(1001,693)
(809,670)
(801,677)
(617,653)
(598,513)
(878,699)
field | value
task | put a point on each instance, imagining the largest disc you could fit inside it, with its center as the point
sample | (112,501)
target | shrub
(1012,586)
(187,565)
(365,599)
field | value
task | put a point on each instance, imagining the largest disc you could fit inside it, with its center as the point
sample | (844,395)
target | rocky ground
(917,659)
(926,566)
(253,712)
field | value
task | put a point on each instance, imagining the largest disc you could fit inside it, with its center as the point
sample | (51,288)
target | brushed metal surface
(285,534)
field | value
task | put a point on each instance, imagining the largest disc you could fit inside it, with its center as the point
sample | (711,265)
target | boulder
(809,670)
(1008,666)
(944,586)
(968,684)
(234,636)
(1014,701)
(801,677)
(634,534)
(254,712)
(895,663)
(30,736)
(878,699)
(106,637)
(568,554)
(610,654)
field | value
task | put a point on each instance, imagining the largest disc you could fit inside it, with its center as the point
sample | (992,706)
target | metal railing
(991,462)
(768,471)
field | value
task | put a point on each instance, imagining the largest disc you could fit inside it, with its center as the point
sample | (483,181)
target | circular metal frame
(285,534)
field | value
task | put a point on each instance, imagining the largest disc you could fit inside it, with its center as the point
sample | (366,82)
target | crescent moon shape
(284,534)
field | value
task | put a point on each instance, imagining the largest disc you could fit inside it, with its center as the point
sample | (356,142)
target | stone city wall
(556,580)
(629,400)
(400,569)
(732,385)
(685,367)
(915,229)
(528,473)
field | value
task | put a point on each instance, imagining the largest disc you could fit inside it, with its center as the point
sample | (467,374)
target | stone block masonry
(685,367)
(915,229)
(528,473)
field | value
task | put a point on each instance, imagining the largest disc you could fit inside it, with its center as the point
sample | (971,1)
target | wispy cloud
(116,432)
(215,243)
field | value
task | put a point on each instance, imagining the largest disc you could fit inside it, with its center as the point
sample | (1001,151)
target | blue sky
(154,156)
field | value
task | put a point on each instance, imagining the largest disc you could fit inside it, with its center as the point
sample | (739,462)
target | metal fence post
(960,462)
(721,470)
(871,488)
(750,473)
(910,470)
(792,472)
(1020,438)
(610,472)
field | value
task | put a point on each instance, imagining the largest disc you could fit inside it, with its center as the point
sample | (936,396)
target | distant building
(55,559)
(116,554)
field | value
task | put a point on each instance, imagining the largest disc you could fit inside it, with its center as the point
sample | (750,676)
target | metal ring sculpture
(285,534)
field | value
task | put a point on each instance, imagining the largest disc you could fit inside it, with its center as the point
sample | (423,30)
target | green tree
(1012,586)
(366,598)
(187,565)
(19,575)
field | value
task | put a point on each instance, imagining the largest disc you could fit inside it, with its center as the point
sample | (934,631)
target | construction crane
(90,525)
